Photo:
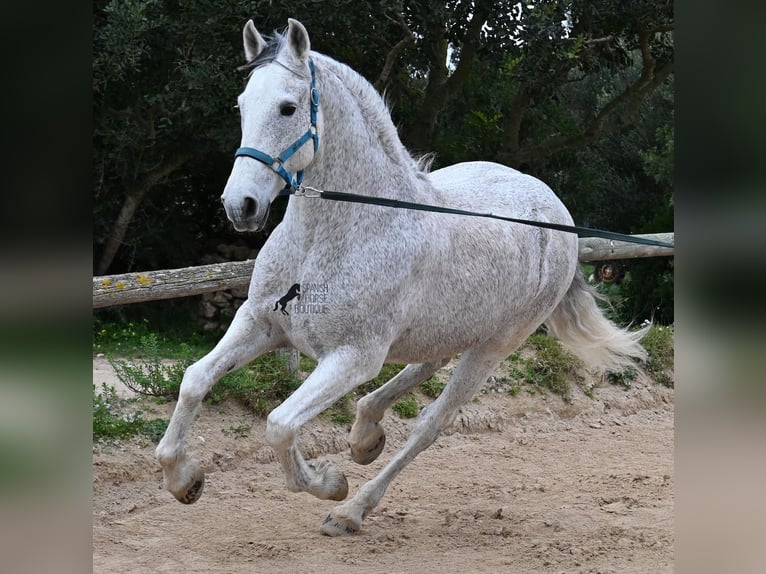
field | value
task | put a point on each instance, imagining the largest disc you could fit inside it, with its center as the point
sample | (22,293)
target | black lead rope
(398,204)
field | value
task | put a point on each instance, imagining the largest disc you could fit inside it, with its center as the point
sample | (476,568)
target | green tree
(163,82)
(566,90)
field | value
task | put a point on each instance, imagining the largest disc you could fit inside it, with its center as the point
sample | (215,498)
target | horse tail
(581,327)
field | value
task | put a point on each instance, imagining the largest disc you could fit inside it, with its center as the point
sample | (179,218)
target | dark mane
(267,55)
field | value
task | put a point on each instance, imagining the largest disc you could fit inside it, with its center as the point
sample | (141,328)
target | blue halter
(293,182)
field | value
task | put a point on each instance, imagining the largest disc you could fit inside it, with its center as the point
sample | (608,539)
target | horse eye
(287,109)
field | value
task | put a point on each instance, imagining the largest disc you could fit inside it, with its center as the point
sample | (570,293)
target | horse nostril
(250,207)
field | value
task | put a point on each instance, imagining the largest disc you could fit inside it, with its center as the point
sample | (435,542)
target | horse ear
(254,43)
(298,40)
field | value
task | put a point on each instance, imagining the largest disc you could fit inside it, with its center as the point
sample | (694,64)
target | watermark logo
(292,293)
(313,298)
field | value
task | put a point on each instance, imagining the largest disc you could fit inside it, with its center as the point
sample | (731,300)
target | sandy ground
(518,484)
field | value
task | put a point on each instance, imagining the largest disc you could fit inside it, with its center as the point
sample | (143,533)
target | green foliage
(659,158)
(624,379)
(121,333)
(388,372)
(110,421)
(123,338)
(152,375)
(238,431)
(658,342)
(261,385)
(407,407)
(159,363)
(549,367)
(433,387)
(164,83)
(341,412)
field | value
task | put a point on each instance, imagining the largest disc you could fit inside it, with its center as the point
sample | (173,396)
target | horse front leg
(248,337)
(334,376)
(367,437)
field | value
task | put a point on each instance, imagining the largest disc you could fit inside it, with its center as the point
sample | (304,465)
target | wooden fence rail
(127,288)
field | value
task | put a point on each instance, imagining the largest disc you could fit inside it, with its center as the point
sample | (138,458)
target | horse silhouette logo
(292,293)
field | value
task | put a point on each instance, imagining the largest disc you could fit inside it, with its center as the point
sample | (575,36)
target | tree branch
(133,197)
(441,87)
(468,49)
(617,114)
(393,54)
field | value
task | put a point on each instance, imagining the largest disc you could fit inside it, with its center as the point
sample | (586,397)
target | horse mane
(377,113)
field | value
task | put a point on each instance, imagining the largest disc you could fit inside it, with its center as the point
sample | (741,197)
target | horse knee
(193,386)
(279,433)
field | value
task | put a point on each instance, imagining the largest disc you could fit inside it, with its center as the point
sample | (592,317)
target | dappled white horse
(377,284)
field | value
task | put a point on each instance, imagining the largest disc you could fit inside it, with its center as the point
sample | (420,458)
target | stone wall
(216,310)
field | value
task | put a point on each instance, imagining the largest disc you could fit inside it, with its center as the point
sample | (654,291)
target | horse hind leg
(472,371)
(245,339)
(367,437)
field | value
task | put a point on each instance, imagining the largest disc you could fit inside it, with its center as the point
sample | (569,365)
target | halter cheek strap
(293,182)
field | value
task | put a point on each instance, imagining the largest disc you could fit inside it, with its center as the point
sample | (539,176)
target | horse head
(279,109)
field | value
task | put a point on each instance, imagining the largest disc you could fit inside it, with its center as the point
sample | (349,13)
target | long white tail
(579,324)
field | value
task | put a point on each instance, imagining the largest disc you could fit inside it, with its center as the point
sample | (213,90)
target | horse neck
(360,150)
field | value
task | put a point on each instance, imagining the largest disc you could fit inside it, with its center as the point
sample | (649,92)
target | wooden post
(292,357)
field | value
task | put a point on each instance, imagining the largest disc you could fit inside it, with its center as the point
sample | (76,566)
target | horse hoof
(192,494)
(328,483)
(365,455)
(338,526)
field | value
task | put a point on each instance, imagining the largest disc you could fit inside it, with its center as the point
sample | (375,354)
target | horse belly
(490,282)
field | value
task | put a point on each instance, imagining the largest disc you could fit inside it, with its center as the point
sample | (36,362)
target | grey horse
(398,286)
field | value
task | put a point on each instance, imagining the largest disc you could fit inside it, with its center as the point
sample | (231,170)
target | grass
(433,387)
(125,338)
(150,374)
(261,385)
(659,343)
(111,421)
(267,382)
(342,412)
(547,368)
(407,407)
(239,431)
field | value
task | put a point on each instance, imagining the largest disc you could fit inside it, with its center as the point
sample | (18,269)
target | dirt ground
(518,484)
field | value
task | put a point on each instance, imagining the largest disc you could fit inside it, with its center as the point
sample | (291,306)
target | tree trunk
(420,137)
(620,112)
(441,86)
(133,198)
(119,229)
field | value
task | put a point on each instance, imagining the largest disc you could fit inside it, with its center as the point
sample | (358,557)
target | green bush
(433,387)
(549,367)
(109,421)
(261,385)
(341,412)
(150,375)
(407,407)
(658,343)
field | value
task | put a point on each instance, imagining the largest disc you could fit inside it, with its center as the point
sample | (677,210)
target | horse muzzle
(246,213)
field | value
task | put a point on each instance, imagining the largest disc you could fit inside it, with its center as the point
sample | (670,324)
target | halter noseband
(293,182)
